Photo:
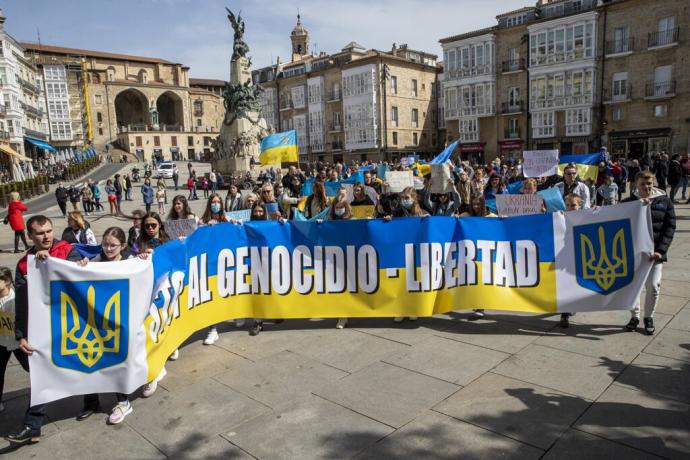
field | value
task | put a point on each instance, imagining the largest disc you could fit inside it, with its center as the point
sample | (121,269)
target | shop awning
(40,144)
(11,152)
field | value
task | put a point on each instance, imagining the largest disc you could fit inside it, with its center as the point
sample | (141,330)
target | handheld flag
(587,165)
(279,148)
(445,155)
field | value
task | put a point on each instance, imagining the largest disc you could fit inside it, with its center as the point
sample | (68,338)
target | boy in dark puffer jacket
(663,228)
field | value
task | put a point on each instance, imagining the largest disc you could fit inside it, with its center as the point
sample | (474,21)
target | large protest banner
(562,262)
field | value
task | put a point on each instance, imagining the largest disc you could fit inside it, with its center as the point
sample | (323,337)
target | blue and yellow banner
(545,263)
(587,164)
(279,148)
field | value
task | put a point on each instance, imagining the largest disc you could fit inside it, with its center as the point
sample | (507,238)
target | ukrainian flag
(279,148)
(587,164)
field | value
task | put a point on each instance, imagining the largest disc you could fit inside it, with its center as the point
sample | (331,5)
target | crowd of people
(282,197)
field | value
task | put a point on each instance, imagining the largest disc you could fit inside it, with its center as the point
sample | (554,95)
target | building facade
(139,105)
(573,75)
(356,104)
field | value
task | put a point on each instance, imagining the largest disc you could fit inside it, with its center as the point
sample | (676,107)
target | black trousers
(19,235)
(63,207)
(5,358)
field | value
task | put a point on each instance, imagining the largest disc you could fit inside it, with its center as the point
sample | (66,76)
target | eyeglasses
(151,225)
(571,174)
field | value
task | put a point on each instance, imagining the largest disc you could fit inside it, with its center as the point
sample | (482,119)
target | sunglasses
(154,225)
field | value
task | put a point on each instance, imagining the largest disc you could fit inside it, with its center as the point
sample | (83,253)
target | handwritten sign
(539,163)
(243,215)
(180,227)
(363,212)
(399,180)
(518,205)
(440,178)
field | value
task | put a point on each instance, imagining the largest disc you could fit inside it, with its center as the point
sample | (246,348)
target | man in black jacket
(62,195)
(40,229)
(663,228)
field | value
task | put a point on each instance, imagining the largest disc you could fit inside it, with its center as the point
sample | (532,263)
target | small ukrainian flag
(587,164)
(279,148)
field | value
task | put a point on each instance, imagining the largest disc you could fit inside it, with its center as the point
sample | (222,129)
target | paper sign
(539,163)
(180,227)
(244,215)
(518,205)
(552,199)
(363,212)
(398,180)
(440,178)
(271,209)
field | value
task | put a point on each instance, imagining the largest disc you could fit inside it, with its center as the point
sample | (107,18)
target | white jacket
(580,189)
(7,339)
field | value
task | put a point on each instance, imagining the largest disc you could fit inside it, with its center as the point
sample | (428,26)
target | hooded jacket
(663,220)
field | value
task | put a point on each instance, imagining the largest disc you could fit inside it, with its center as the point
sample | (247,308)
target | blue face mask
(215,208)
(339,212)
(407,203)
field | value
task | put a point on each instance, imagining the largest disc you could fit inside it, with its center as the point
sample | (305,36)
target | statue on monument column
(240,48)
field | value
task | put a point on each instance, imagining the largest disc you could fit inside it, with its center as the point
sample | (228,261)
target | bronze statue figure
(241,100)
(240,48)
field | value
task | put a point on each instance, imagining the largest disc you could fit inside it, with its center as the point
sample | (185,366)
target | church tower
(300,40)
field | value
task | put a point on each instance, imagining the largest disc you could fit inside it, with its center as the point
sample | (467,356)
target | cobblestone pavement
(509,386)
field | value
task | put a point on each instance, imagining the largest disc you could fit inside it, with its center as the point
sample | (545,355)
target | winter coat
(674,172)
(61,194)
(14,215)
(147,192)
(663,220)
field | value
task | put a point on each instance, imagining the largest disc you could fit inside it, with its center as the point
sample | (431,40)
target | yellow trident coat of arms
(89,322)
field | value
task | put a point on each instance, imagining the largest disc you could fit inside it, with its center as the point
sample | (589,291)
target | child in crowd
(607,194)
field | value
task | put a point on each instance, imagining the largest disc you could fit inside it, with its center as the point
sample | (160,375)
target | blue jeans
(684,184)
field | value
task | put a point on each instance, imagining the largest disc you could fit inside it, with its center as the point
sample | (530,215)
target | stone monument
(243,126)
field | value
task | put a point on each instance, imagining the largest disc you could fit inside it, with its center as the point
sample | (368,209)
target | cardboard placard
(363,212)
(518,205)
(243,215)
(539,163)
(441,178)
(180,227)
(399,180)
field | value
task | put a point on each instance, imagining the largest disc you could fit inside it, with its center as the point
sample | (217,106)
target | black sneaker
(86,412)
(565,320)
(26,436)
(632,324)
(649,326)
(256,328)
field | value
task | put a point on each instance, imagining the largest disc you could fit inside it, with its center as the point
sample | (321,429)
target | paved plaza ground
(507,386)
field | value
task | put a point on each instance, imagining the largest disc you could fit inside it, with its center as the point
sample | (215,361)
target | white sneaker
(413,318)
(342,322)
(212,337)
(151,387)
(175,355)
(398,319)
(119,412)
(239,322)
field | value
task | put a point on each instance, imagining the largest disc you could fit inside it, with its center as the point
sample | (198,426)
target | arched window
(143,76)
(110,74)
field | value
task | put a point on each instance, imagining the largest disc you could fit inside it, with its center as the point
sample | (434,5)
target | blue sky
(197,33)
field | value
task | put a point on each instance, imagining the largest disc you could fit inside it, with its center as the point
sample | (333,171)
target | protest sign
(552,199)
(244,215)
(539,163)
(518,205)
(398,180)
(271,210)
(180,227)
(363,212)
(441,178)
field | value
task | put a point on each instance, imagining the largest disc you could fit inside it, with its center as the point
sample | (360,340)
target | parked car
(165,170)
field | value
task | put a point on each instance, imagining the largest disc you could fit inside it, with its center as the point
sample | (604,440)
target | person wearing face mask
(442,204)
(405,206)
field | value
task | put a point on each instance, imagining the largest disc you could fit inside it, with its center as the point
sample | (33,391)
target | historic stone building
(573,75)
(356,104)
(140,105)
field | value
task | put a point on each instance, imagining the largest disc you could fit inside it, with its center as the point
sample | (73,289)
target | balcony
(624,94)
(512,107)
(336,145)
(3,110)
(660,90)
(198,112)
(33,111)
(35,134)
(30,86)
(560,100)
(466,72)
(335,129)
(333,96)
(513,65)
(620,47)
(512,133)
(286,105)
(663,38)
(4,135)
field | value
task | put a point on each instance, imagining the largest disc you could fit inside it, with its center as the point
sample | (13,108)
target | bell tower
(300,40)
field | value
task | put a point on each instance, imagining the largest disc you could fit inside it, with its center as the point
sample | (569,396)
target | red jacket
(14,215)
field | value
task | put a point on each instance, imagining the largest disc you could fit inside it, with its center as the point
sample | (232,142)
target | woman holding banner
(114,248)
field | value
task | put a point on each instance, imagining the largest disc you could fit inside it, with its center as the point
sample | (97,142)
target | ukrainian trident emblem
(604,255)
(89,324)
